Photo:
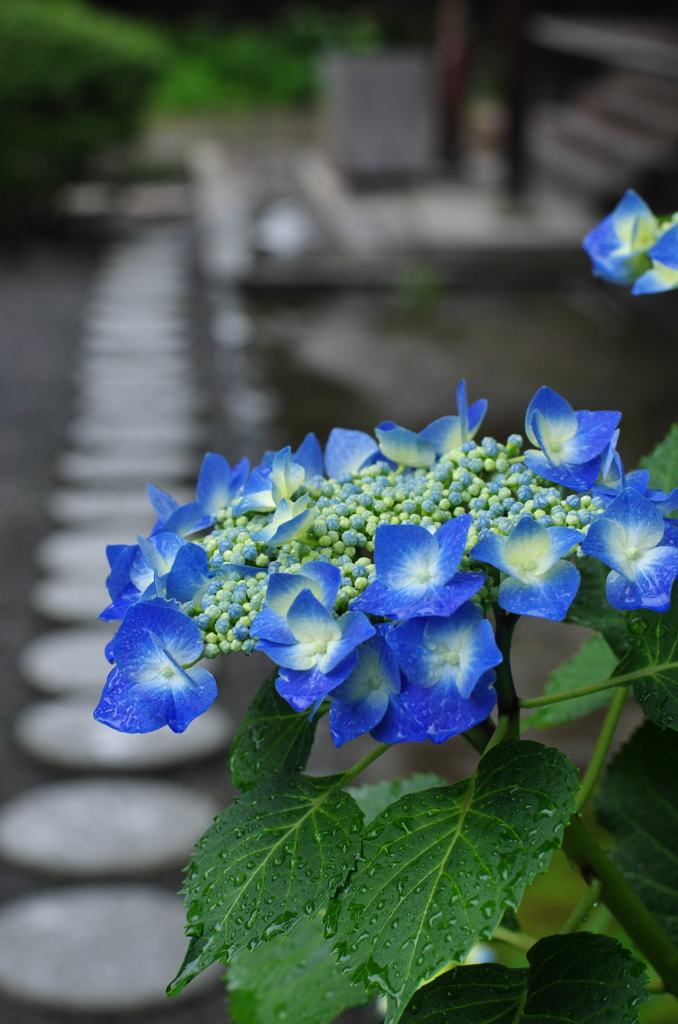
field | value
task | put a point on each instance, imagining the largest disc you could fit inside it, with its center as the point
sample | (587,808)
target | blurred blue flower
(538,581)
(360,703)
(447,664)
(640,547)
(155,682)
(570,442)
(315,650)
(613,479)
(417,571)
(618,246)
(663,275)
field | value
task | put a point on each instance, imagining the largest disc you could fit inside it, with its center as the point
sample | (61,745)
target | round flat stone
(80,553)
(67,660)
(107,948)
(71,505)
(91,827)
(69,599)
(64,732)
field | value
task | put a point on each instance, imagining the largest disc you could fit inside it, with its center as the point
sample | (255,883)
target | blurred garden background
(223,225)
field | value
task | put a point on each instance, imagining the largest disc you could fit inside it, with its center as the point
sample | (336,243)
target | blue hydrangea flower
(349,451)
(571,442)
(290,521)
(538,581)
(173,517)
(218,485)
(450,432)
(163,565)
(155,681)
(315,650)
(613,479)
(641,549)
(404,447)
(360,703)
(417,571)
(309,455)
(618,246)
(663,275)
(268,485)
(447,665)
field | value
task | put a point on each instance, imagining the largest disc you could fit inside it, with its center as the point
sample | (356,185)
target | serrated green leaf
(572,979)
(662,462)
(593,662)
(591,607)
(372,799)
(293,977)
(652,663)
(272,738)
(271,858)
(638,803)
(440,867)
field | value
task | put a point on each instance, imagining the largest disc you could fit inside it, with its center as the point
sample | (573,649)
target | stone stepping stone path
(110,946)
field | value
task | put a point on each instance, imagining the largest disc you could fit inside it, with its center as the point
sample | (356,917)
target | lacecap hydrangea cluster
(366,572)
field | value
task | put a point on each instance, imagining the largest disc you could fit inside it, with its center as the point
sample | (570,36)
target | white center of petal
(556,446)
(320,646)
(166,672)
(424,576)
(632,554)
(453,658)
(374,683)
(529,564)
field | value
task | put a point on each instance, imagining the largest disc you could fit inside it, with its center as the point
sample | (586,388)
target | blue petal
(145,626)
(397,725)
(308,618)
(161,550)
(185,519)
(309,455)
(404,446)
(112,553)
(574,477)
(290,530)
(441,712)
(120,708)
(121,605)
(108,651)
(547,597)
(491,550)
(378,599)
(347,721)
(266,625)
(665,250)
(301,689)
(593,435)
(188,574)
(120,570)
(652,586)
(347,451)
(451,538)
(163,503)
(444,434)
(213,490)
(659,279)
(476,415)
(327,576)
(554,408)
(134,708)
(401,553)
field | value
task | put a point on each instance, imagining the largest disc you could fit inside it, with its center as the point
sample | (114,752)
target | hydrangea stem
(508,704)
(583,908)
(350,775)
(629,910)
(601,748)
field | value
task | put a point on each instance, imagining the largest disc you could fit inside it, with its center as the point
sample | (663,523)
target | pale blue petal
(301,689)
(665,250)
(658,279)
(349,720)
(266,625)
(309,455)
(547,596)
(347,451)
(555,409)
(404,447)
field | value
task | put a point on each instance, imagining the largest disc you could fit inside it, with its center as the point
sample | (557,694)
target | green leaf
(593,662)
(293,977)
(652,663)
(572,979)
(663,462)
(591,607)
(372,799)
(273,856)
(272,738)
(638,803)
(440,867)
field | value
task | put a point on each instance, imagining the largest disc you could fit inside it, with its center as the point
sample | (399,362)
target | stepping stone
(97,827)
(80,554)
(63,732)
(68,660)
(133,342)
(79,468)
(162,436)
(70,599)
(70,505)
(96,949)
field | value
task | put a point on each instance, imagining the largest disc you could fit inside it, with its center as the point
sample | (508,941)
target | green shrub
(249,66)
(72,79)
